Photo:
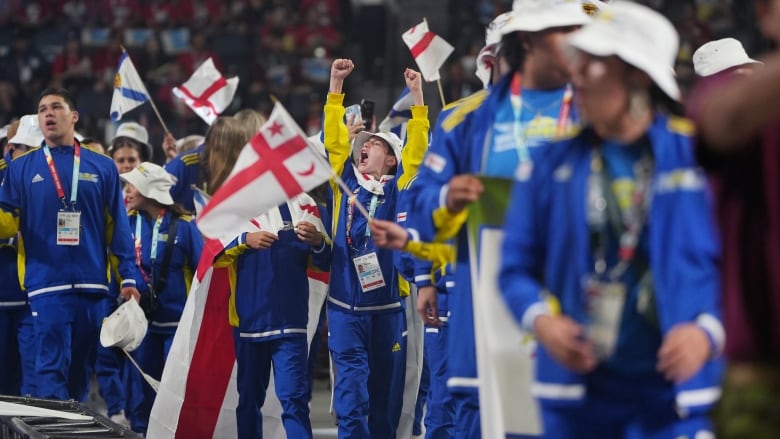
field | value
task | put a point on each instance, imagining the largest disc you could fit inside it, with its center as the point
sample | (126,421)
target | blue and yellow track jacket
(345,290)
(11,294)
(185,169)
(547,247)
(29,205)
(188,245)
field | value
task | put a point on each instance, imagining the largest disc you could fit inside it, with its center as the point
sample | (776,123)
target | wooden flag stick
(441,93)
(151,101)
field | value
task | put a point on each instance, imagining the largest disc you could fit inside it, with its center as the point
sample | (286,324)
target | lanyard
(516,98)
(155,240)
(74,188)
(603,210)
(351,212)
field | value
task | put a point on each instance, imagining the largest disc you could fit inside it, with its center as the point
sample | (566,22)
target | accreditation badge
(605,310)
(369,272)
(68,228)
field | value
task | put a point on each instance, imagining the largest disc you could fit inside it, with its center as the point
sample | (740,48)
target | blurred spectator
(72,68)
(197,53)
(23,72)
(316,33)
(739,127)
(166,13)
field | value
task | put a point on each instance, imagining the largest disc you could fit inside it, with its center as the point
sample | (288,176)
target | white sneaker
(120,419)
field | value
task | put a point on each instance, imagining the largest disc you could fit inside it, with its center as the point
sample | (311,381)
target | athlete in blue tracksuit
(680,247)
(17,341)
(440,409)
(66,233)
(151,212)
(506,143)
(270,307)
(365,311)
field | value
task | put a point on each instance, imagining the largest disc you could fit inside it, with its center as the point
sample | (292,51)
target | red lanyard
(56,176)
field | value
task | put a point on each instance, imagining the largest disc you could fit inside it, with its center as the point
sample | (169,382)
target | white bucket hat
(29,132)
(389,138)
(152,181)
(493,34)
(639,36)
(125,328)
(719,55)
(538,15)
(4,132)
(136,132)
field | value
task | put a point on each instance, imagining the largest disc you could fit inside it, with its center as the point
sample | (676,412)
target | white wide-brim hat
(29,132)
(388,137)
(125,328)
(136,132)
(152,181)
(538,15)
(719,55)
(639,36)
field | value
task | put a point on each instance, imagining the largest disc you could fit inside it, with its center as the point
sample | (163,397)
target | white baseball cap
(639,36)
(152,181)
(389,138)
(125,328)
(136,132)
(29,132)
(538,15)
(719,55)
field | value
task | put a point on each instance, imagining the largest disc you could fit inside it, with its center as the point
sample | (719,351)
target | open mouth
(51,123)
(363,157)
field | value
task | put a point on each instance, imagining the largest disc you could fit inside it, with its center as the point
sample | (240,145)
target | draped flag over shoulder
(207,93)
(274,166)
(428,49)
(198,393)
(129,90)
(399,115)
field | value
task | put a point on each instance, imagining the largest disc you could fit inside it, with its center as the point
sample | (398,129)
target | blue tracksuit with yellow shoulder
(483,134)
(163,321)
(64,282)
(366,328)
(269,308)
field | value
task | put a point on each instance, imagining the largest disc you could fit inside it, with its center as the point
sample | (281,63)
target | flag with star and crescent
(276,165)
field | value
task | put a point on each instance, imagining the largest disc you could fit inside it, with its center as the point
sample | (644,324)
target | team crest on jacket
(86,176)
(397,347)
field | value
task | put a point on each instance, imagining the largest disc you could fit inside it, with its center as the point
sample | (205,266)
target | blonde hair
(251,120)
(224,140)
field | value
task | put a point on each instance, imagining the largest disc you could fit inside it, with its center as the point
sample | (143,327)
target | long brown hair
(224,140)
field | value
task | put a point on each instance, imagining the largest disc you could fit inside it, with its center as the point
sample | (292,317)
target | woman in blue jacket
(610,255)
(168,272)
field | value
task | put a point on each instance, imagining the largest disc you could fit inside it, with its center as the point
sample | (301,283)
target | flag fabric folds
(207,93)
(276,164)
(399,115)
(428,49)
(198,394)
(129,90)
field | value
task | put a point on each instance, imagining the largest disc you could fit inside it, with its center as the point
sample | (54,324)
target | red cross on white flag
(276,165)
(207,93)
(428,49)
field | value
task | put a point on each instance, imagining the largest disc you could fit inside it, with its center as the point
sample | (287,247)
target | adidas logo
(37,178)
(396,347)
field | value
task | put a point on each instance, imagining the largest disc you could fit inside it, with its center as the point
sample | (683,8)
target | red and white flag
(207,92)
(198,395)
(428,49)
(276,165)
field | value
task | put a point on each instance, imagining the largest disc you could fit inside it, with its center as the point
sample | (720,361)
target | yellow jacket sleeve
(335,133)
(9,224)
(416,144)
(438,253)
